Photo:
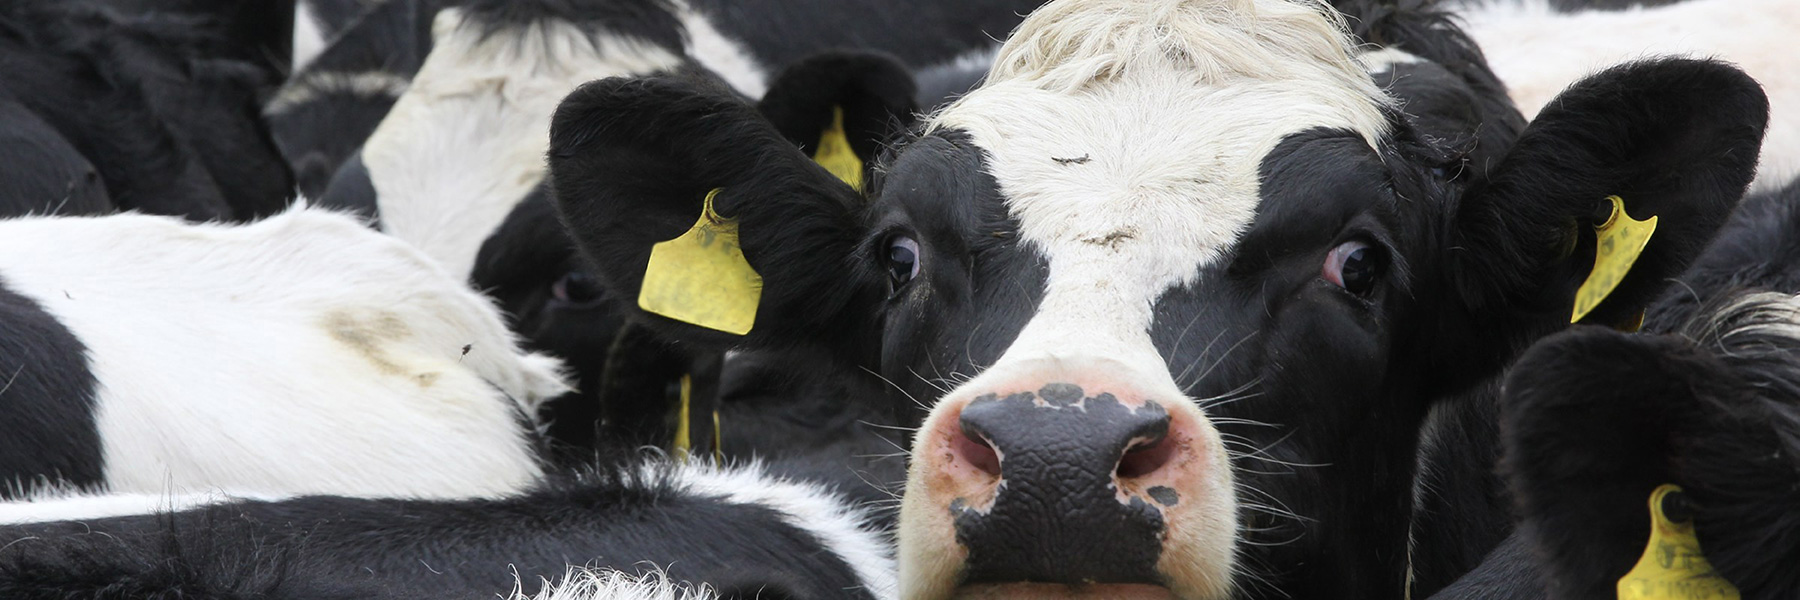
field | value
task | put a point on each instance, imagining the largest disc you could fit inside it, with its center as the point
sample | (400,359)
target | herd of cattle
(1198,299)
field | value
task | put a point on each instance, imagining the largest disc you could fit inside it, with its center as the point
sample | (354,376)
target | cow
(107,110)
(1538,50)
(739,531)
(323,112)
(1597,419)
(303,353)
(1692,401)
(1176,286)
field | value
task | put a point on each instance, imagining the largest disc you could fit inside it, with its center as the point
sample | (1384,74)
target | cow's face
(1176,286)
(1161,192)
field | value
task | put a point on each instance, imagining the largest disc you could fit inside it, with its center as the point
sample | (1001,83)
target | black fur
(1596,419)
(920,33)
(47,395)
(469,549)
(170,128)
(316,136)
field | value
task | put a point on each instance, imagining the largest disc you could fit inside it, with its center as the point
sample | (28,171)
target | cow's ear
(1675,139)
(633,162)
(1587,425)
(842,101)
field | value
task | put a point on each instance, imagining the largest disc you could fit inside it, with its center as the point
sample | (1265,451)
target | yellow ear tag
(702,277)
(836,155)
(1672,567)
(1621,240)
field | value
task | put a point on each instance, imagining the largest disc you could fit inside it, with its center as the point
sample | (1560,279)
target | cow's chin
(1056,591)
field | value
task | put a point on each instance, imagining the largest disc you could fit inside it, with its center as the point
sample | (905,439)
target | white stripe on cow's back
(304,353)
(609,584)
(725,57)
(1538,52)
(51,506)
(1127,136)
(845,531)
(466,142)
(311,85)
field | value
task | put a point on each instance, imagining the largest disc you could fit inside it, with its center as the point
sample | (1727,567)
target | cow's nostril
(977,452)
(1144,458)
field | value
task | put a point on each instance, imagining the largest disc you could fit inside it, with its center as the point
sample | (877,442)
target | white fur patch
(1173,104)
(467,140)
(844,530)
(304,353)
(61,506)
(309,86)
(1377,61)
(608,584)
(309,39)
(723,56)
(1537,52)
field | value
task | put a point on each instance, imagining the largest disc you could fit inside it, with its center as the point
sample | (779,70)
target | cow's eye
(576,288)
(1355,266)
(902,260)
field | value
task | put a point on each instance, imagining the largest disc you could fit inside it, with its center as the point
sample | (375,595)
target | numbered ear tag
(1621,240)
(1672,567)
(836,155)
(702,277)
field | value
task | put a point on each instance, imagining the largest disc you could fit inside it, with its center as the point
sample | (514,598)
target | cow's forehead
(1127,136)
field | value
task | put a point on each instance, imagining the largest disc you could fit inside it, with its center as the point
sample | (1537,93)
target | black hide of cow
(1706,398)
(1479,263)
(137,112)
(322,115)
(324,548)
(530,265)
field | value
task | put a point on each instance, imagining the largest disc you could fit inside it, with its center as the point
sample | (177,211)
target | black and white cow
(324,111)
(302,353)
(1538,47)
(106,110)
(1704,399)
(740,532)
(1187,278)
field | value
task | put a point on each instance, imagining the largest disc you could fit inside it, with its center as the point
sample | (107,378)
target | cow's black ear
(872,94)
(1676,139)
(632,161)
(1587,429)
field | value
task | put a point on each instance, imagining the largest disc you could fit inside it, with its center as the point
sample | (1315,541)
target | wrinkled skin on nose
(1060,514)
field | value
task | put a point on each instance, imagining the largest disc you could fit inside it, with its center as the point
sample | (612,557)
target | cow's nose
(1077,491)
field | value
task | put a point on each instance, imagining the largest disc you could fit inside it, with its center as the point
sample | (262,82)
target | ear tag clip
(702,277)
(684,444)
(835,154)
(1621,239)
(1672,567)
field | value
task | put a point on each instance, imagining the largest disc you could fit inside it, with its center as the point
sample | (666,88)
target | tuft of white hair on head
(1067,46)
(609,584)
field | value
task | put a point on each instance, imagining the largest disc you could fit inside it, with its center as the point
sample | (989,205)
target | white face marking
(1538,52)
(466,142)
(1161,112)
(302,353)
(1172,138)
